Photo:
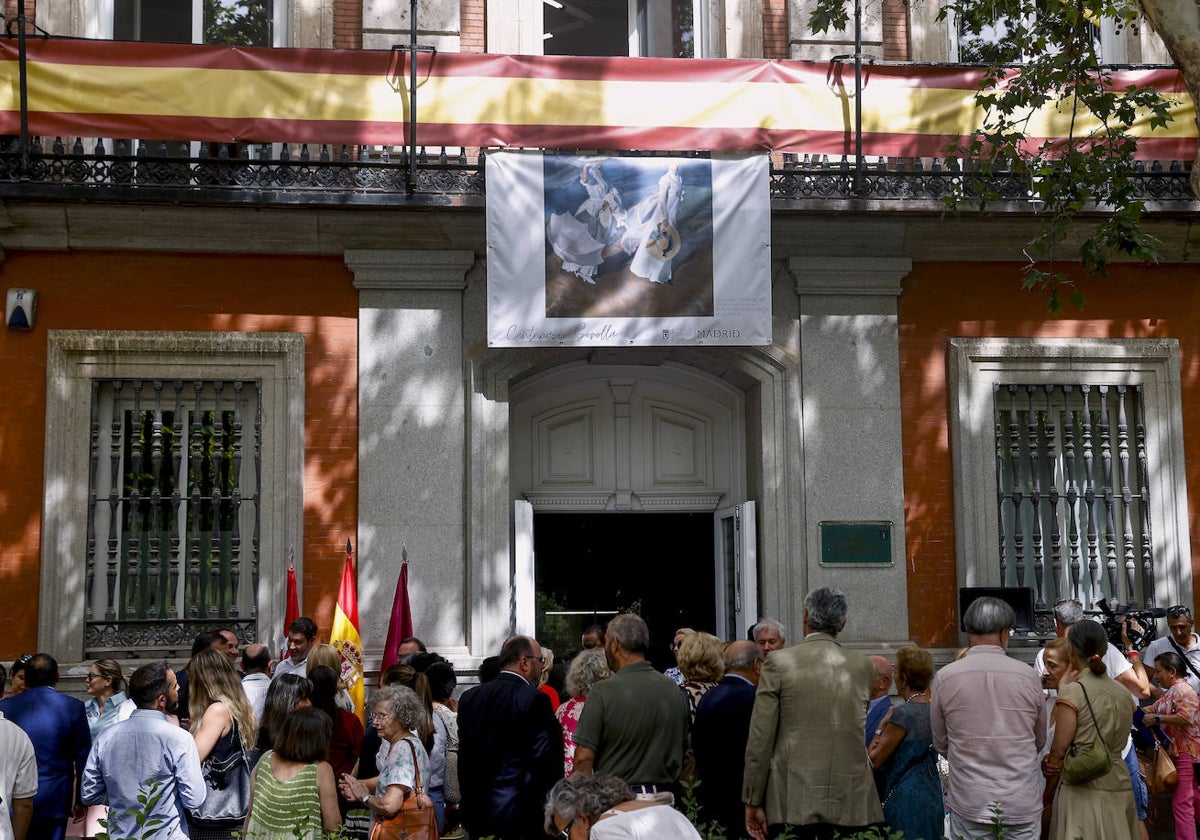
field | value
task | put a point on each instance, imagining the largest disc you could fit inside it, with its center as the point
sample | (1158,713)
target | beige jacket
(806,760)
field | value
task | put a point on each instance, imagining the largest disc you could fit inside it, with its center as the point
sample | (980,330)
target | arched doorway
(629,485)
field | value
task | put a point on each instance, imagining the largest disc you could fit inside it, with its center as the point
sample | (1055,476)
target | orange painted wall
(944,300)
(139,291)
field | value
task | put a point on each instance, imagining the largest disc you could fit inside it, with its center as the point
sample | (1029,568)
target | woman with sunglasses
(674,671)
(601,807)
(105,685)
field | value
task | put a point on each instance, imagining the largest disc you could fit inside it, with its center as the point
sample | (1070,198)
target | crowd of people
(753,736)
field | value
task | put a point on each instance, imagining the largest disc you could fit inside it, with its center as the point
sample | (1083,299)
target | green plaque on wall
(856,543)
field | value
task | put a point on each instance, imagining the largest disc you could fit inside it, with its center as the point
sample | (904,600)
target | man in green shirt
(634,724)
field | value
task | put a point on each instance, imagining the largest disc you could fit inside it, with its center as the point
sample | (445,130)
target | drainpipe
(858,139)
(412,98)
(23,72)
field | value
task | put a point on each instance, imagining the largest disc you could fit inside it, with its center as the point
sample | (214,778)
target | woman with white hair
(403,762)
(601,807)
(587,669)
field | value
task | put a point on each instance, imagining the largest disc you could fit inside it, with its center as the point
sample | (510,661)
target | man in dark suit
(510,748)
(57,726)
(719,736)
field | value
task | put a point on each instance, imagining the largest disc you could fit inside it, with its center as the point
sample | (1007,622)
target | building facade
(220,382)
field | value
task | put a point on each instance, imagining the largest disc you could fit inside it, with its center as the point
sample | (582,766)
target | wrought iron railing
(266,174)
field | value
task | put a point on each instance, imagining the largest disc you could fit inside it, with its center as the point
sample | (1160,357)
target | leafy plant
(150,794)
(691,809)
(1083,185)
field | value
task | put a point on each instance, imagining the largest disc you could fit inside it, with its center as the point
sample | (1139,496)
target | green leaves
(1045,54)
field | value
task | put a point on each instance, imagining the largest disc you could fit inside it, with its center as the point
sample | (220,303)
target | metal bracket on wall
(411,50)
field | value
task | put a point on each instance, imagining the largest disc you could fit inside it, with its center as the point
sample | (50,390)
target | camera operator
(1183,641)
(1123,666)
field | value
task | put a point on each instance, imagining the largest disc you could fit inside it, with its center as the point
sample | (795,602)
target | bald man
(256,665)
(881,701)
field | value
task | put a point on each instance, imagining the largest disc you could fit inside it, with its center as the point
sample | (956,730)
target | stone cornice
(409,270)
(849,275)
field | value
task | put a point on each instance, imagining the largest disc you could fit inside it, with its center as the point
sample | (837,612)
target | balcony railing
(364,176)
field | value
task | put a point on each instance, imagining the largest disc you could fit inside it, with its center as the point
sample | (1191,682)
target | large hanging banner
(83,88)
(606,251)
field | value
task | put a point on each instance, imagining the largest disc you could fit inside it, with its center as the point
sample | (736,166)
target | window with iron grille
(174,525)
(1072,475)
(174,489)
(1069,470)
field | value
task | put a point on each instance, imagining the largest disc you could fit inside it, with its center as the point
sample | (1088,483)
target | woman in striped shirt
(293,791)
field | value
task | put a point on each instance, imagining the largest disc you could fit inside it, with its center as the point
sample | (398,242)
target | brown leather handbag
(417,819)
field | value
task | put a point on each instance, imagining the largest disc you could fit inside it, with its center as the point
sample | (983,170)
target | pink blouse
(1180,699)
(568,717)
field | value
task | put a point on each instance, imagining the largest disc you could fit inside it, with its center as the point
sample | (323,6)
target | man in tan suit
(806,766)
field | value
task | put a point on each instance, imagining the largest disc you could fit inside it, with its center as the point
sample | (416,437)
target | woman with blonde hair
(328,656)
(543,681)
(224,727)
(676,643)
(702,662)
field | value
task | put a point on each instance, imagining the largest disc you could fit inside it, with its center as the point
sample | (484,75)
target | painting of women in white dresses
(628,237)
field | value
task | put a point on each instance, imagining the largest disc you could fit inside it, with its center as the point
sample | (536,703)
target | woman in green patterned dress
(293,791)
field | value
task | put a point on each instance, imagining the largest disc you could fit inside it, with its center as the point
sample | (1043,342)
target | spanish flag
(344,635)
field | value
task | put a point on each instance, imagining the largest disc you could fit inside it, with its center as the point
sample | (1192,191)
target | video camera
(1111,621)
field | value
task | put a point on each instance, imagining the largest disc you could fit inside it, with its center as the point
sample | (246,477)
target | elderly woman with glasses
(601,807)
(1181,640)
(403,762)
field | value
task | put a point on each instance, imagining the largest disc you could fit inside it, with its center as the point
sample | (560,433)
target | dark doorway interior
(589,564)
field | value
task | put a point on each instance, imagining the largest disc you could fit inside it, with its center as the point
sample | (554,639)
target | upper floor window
(244,23)
(983,34)
(662,28)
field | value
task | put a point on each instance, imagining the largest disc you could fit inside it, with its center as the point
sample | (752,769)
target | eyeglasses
(565,833)
(380,717)
(1179,610)
(91,677)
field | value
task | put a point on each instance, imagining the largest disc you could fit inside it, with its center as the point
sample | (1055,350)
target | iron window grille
(1072,489)
(173,525)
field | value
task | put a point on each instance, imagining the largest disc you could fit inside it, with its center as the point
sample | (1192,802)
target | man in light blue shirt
(147,749)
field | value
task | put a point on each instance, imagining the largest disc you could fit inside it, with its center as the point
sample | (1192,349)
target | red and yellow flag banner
(344,635)
(227,94)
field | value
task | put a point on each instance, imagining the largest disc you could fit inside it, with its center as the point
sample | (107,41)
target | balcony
(285,174)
